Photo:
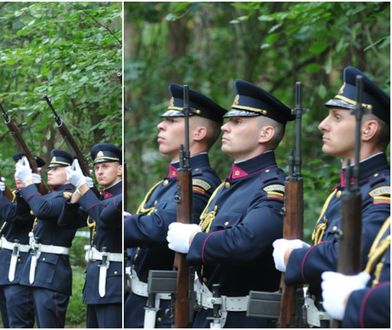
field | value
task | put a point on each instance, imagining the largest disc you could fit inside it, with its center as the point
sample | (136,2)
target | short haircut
(382,137)
(213,129)
(279,131)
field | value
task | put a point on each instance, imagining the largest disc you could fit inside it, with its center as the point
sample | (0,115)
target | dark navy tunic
(307,264)
(371,307)
(149,231)
(53,270)
(237,251)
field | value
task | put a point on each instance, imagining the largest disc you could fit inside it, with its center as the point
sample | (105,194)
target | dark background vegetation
(71,52)
(273,44)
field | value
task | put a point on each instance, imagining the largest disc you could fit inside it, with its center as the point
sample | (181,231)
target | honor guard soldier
(14,247)
(363,300)
(146,230)
(305,264)
(232,245)
(47,269)
(103,286)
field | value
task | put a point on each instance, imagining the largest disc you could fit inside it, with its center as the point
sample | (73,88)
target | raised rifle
(22,146)
(294,214)
(71,143)
(349,260)
(182,306)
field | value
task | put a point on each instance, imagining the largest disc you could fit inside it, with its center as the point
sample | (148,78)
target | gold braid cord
(206,217)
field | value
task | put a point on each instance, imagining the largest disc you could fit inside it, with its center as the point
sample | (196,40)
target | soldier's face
(240,138)
(170,136)
(57,176)
(338,130)
(108,174)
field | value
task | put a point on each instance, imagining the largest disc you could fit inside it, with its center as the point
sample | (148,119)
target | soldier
(103,286)
(14,251)
(304,264)
(146,230)
(47,269)
(363,300)
(232,245)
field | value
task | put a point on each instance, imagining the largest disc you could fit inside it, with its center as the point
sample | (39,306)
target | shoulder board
(275,191)
(381,195)
(201,186)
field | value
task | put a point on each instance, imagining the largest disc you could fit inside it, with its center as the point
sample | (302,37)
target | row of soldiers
(235,240)
(37,231)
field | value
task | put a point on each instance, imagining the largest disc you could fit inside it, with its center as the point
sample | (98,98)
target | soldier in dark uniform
(232,246)
(14,251)
(306,264)
(146,230)
(363,300)
(47,269)
(103,287)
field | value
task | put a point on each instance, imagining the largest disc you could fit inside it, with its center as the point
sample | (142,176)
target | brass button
(115,272)
(227,185)
(334,229)
(267,171)
(338,194)
(226,223)
(165,182)
(159,319)
(205,279)
(376,174)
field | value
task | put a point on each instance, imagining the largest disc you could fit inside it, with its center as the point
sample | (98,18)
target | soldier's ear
(199,133)
(119,170)
(369,129)
(266,134)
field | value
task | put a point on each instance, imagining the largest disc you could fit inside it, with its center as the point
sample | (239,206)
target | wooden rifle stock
(184,215)
(349,260)
(71,143)
(22,146)
(293,221)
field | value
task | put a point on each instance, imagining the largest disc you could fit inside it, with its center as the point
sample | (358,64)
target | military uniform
(146,231)
(102,290)
(242,219)
(14,247)
(306,265)
(47,269)
(370,307)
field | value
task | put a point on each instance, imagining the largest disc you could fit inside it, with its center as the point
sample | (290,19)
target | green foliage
(76,312)
(273,44)
(71,52)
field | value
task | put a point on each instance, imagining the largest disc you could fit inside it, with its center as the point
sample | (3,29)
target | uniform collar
(112,191)
(199,160)
(250,166)
(368,167)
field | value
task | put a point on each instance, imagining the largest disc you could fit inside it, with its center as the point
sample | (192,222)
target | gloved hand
(89,181)
(281,246)
(36,178)
(179,234)
(337,289)
(2,186)
(75,175)
(23,171)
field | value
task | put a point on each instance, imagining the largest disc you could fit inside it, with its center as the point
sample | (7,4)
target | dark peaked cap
(40,161)
(373,98)
(106,153)
(251,101)
(60,158)
(200,104)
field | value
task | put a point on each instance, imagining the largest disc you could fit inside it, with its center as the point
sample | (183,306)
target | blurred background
(273,44)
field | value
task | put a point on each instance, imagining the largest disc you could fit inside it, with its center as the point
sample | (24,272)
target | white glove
(89,181)
(126,214)
(281,246)
(36,178)
(337,288)
(23,171)
(2,186)
(179,234)
(75,175)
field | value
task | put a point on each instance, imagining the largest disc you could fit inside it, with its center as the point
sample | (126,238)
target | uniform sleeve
(42,207)
(147,230)
(107,211)
(369,308)
(72,216)
(306,265)
(242,241)
(18,210)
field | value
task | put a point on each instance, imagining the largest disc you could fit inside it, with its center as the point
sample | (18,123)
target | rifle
(7,192)
(294,214)
(349,261)
(71,143)
(184,215)
(23,148)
